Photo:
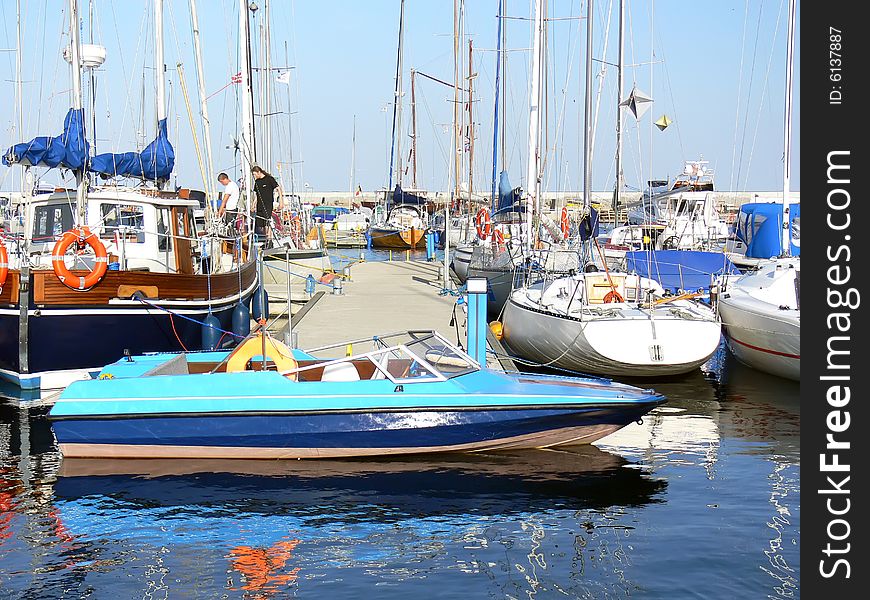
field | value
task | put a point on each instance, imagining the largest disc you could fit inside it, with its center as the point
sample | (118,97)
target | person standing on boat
(229,208)
(266,188)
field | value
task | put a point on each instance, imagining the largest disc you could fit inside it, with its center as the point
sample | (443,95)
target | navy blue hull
(390,430)
(58,342)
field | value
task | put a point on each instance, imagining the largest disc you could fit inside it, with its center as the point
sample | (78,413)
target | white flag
(283,77)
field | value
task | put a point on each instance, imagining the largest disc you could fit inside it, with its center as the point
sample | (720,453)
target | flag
(283,77)
(237,78)
(358,190)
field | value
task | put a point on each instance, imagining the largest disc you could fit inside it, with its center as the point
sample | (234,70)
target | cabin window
(164,237)
(49,222)
(124,219)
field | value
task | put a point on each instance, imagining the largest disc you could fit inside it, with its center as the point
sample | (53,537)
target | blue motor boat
(416,394)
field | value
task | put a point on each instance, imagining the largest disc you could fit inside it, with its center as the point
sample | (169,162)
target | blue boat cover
(69,149)
(508,197)
(759,226)
(154,163)
(400,196)
(588,227)
(679,269)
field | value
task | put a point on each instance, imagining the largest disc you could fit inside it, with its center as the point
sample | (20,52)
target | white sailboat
(605,322)
(760,311)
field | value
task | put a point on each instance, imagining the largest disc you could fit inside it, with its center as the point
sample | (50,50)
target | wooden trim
(9,293)
(49,291)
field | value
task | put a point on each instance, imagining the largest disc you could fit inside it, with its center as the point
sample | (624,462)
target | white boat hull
(629,343)
(759,331)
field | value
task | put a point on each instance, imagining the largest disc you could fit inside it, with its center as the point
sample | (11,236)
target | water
(700,500)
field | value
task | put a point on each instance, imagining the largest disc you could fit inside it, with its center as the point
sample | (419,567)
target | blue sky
(716,68)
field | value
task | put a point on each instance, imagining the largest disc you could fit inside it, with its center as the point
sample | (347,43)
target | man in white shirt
(229,208)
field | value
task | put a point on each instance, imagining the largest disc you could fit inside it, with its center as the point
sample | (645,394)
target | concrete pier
(379,298)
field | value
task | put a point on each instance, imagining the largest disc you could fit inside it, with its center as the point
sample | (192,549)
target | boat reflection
(498,483)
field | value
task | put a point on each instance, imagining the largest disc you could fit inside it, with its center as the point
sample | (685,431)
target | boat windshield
(418,356)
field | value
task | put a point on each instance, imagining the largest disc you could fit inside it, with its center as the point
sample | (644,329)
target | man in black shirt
(265,187)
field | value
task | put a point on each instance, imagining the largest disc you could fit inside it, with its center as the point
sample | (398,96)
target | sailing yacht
(604,322)
(97,272)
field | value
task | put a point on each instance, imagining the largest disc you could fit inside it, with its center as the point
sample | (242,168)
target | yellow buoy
(496,329)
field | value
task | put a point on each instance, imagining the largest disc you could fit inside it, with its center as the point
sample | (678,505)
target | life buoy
(483,223)
(276,351)
(4,264)
(498,239)
(81,236)
(612,297)
(564,223)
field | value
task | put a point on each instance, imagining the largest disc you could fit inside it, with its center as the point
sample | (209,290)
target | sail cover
(679,269)
(68,150)
(154,163)
(508,197)
(401,196)
(759,226)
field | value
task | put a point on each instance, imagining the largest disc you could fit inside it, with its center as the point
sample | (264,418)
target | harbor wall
(551,200)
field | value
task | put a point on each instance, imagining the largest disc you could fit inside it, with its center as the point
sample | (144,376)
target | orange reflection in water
(263,569)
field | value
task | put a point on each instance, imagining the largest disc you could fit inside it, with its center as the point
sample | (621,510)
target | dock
(377,298)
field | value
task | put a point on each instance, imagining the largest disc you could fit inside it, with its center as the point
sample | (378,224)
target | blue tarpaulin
(759,226)
(154,163)
(686,270)
(69,149)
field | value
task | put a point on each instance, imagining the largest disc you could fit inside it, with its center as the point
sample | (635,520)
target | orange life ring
(81,236)
(613,296)
(483,223)
(498,239)
(564,223)
(4,264)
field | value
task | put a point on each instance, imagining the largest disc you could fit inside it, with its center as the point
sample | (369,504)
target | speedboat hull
(179,406)
(338,434)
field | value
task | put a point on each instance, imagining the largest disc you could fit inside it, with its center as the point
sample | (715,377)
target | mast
(246,143)
(159,69)
(470,124)
(396,145)
(457,126)
(76,66)
(353,157)
(786,171)
(203,105)
(267,86)
(290,125)
(619,92)
(414,128)
(533,180)
(587,116)
(498,59)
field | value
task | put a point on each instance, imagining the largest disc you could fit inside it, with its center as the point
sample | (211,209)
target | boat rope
(172,314)
(548,366)
(177,337)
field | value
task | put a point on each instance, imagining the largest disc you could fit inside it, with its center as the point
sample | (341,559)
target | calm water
(700,500)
